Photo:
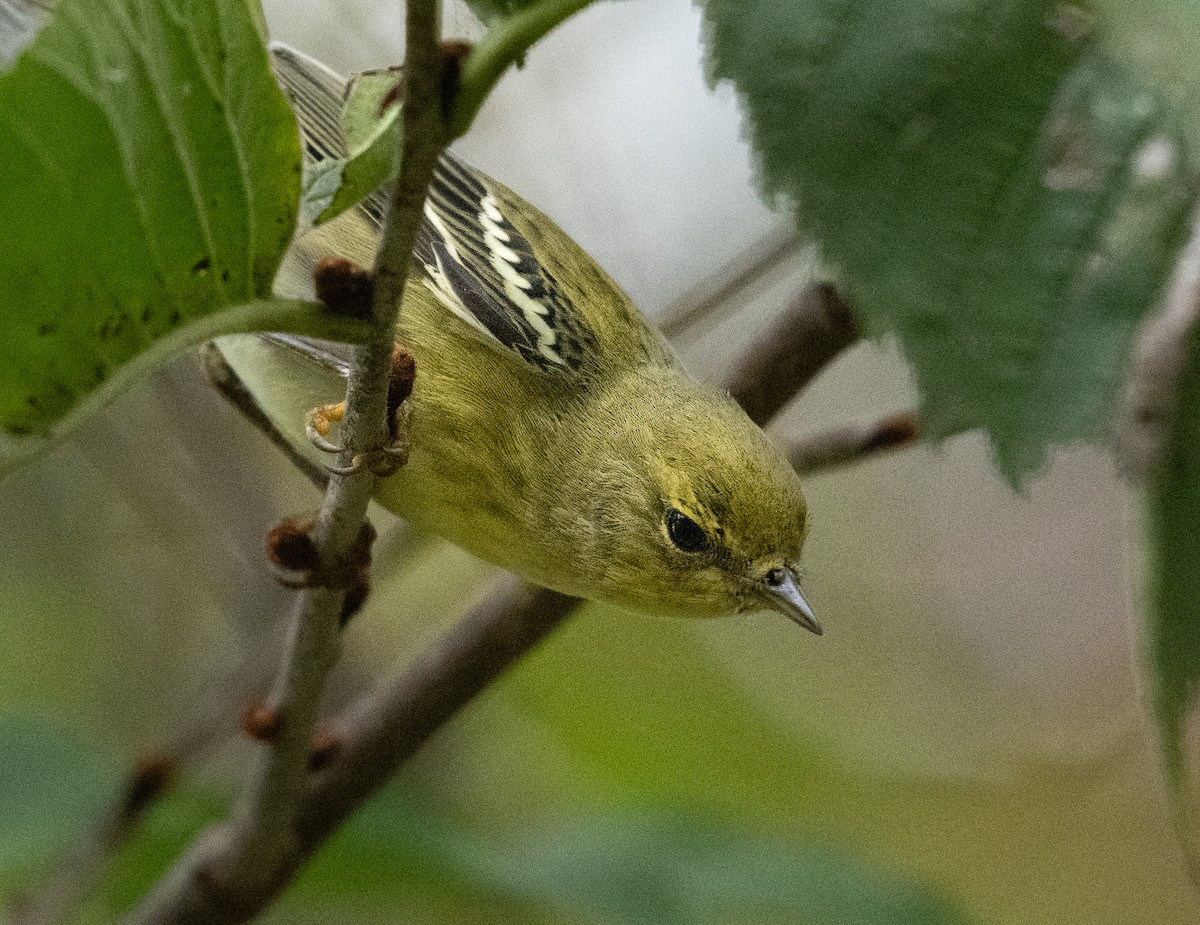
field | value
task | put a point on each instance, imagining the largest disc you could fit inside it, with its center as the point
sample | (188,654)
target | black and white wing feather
(474,259)
(485,271)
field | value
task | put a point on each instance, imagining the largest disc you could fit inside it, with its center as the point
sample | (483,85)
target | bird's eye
(685,532)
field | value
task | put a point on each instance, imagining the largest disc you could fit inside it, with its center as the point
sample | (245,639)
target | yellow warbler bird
(553,432)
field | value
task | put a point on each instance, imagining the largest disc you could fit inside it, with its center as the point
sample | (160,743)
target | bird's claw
(385,461)
(319,421)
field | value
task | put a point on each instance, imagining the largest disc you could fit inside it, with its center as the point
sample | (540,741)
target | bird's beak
(782,591)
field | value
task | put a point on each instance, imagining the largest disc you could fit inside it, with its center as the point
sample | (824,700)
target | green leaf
(626,868)
(403,852)
(151,179)
(1173,589)
(371,126)
(656,869)
(52,785)
(986,183)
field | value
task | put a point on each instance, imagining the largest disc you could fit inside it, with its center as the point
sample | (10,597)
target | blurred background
(968,738)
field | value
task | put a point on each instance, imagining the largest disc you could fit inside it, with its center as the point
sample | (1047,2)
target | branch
(1148,406)
(846,445)
(57,899)
(388,726)
(234,869)
(787,356)
(750,266)
(223,378)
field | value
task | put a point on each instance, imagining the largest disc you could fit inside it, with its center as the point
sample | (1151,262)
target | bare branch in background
(797,345)
(847,445)
(234,391)
(58,899)
(1160,353)
(388,726)
(696,306)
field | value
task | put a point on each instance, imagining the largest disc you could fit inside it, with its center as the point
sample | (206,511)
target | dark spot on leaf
(32,401)
(224,276)
(202,264)
(48,328)
(100,372)
(147,314)
(174,319)
(19,430)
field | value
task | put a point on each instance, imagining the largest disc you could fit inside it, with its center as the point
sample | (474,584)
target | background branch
(1159,356)
(797,345)
(231,387)
(58,898)
(846,445)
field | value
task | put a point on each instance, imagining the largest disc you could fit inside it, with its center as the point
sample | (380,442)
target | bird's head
(698,513)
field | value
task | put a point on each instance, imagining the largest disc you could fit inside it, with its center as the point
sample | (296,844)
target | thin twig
(231,387)
(56,900)
(797,345)
(845,446)
(1160,353)
(234,869)
(693,309)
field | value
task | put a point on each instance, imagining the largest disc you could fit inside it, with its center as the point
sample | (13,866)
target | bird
(552,431)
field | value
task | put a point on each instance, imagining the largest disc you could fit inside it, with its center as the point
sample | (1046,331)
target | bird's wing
(475,261)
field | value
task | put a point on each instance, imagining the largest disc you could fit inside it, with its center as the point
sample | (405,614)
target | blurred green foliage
(404,851)
(1173,625)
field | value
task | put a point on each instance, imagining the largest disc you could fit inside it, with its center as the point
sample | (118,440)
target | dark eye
(685,532)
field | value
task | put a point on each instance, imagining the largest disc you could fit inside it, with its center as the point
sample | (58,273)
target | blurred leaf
(987,184)
(151,178)
(1159,39)
(1173,627)
(403,852)
(489,11)
(51,783)
(618,869)
(371,127)
(657,870)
